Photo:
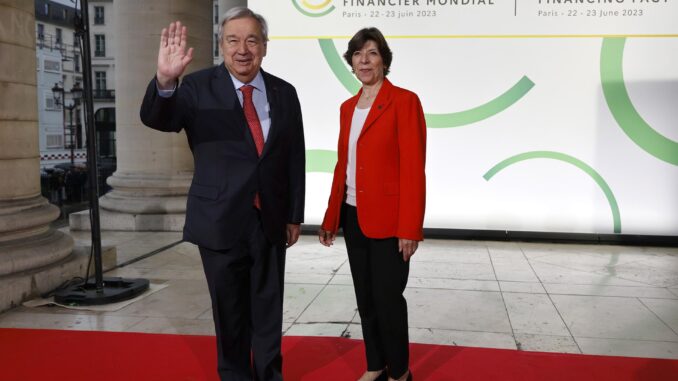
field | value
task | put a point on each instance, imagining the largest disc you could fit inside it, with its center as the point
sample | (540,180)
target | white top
(357,123)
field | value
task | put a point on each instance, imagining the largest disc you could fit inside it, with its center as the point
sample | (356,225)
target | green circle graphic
(621,107)
(320,160)
(454,119)
(309,14)
(567,159)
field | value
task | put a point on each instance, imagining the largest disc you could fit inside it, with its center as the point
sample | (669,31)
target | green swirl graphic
(567,159)
(455,119)
(309,14)
(481,112)
(621,107)
(320,160)
(338,67)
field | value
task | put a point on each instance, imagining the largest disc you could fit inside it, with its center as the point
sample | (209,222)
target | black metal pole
(110,290)
(71,126)
(92,167)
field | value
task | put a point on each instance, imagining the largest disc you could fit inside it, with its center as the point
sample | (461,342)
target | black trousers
(379,278)
(246,286)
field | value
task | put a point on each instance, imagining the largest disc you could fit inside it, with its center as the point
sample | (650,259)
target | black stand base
(114,290)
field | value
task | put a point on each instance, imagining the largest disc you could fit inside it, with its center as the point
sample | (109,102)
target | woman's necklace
(368,95)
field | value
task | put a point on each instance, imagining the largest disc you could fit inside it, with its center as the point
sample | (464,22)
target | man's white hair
(239,13)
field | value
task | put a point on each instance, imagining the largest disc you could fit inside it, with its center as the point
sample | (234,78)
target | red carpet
(27,354)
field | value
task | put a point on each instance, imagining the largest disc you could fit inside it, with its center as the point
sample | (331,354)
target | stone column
(27,243)
(154,169)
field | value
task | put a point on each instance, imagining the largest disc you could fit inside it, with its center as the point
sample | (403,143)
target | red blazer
(390,159)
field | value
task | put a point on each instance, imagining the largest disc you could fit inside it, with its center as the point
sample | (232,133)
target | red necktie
(252,117)
(254,124)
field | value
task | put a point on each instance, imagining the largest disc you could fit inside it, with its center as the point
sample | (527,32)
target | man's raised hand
(172,55)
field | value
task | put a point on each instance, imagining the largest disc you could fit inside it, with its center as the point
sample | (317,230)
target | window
(64,14)
(99,45)
(216,13)
(50,104)
(50,65)
(216,45)
(54,141)
(41,32)
(99,15)
(46,9)
(59,36)
(76,62)
(100,80)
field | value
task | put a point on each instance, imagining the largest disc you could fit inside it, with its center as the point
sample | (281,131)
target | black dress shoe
(385,378)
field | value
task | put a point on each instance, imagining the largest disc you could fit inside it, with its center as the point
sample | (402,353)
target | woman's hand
(407,247)
(172,55)
(326,237)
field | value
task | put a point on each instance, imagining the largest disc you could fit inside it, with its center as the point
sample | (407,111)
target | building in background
(60,80)
(59,67)
(59,63)
(102,41)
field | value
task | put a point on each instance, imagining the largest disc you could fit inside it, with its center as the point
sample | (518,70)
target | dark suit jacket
(390,175)
(228,171)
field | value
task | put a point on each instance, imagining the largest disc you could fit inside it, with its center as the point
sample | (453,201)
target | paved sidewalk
(595,299)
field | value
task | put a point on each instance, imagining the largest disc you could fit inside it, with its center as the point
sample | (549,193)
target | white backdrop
(580,159)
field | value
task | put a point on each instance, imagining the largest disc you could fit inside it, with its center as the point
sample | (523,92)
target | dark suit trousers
(246,286)
(379,277)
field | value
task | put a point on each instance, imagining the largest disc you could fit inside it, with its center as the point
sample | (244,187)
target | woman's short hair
(360,39)
(241,13)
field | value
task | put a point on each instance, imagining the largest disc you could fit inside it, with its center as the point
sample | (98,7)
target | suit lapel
(380,104)
(274,107)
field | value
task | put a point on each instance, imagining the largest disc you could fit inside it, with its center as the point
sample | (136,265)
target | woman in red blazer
(378,198)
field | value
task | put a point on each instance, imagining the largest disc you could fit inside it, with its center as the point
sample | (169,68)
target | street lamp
(59,95)
(76,94)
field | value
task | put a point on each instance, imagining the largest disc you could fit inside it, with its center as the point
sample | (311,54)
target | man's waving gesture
(172,55)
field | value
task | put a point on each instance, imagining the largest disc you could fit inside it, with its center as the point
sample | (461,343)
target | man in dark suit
(246,201)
